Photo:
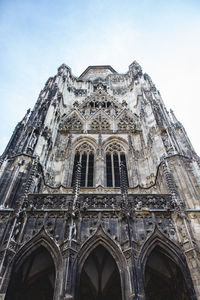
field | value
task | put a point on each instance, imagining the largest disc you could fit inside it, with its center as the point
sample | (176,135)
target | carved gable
(72,122)
(126,122)
(99,122)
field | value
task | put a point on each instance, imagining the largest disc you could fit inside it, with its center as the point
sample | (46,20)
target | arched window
(84,155)
(114,156)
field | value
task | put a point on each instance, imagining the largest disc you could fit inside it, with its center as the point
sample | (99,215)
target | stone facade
(99,194)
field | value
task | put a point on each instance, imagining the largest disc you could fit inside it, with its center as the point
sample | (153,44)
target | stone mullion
(99,166)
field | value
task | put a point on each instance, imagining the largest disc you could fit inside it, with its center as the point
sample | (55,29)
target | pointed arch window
(84,155)
(114,156)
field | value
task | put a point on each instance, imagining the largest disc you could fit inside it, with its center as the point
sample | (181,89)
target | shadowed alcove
(34,279)
(163,278)
(100,278)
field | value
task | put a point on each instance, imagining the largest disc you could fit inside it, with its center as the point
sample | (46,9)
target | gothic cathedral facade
(99,194)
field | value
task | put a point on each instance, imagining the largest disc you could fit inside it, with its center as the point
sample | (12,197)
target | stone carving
(80,92)
(100,124)
(120,91)
(114,147)
(167,144)
(126,123)
(46,201)
(73,122)
(84,147)
(42,208)
(135,69)
(135,202)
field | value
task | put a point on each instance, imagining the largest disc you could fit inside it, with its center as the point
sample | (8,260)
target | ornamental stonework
(99,194)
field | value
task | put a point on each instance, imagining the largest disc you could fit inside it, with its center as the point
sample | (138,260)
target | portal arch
(34,279)
(164,270)
(34,270)
(102,243)
(100,277)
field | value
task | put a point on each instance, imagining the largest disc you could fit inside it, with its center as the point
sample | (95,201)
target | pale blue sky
(37,36)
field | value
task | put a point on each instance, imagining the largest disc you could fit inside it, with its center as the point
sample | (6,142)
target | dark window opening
(116,169)
(83,169)
(109,170)
(90,170)
(108,104)
(87,169)
(113,161)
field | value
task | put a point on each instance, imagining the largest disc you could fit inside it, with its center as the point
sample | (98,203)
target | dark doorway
(163,278)
(34,280)
(100,278)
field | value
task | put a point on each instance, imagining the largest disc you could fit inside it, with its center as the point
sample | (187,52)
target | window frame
(115,176)
(90,159)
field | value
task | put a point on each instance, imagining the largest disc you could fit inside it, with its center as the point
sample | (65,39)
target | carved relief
(100,123)
(115,147)
(73,122)
(126,123)
(85,147)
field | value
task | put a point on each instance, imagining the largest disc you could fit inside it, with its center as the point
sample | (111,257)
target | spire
(173,117)
(135,69)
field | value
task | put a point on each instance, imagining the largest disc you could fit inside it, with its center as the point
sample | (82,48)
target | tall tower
(99,194)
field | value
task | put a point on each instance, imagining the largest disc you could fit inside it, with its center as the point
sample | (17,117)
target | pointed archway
(164,279)
(34,279)
(164,270)
(100,278)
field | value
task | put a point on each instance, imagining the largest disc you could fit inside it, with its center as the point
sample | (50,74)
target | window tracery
(100,102)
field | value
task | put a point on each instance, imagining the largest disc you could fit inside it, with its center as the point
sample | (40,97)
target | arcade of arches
(99,278)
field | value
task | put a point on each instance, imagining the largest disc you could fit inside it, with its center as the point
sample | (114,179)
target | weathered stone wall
(100,111)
